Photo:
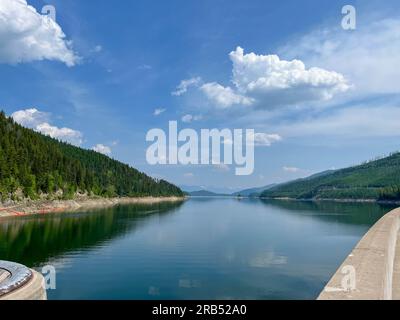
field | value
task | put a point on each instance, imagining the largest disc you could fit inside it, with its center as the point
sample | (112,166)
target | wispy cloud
(185,84)
(291,169)
(360,121)
(188,118)
(145,67)
(368,56)
(265,139)
(159,111)
(98,48)
(259,139)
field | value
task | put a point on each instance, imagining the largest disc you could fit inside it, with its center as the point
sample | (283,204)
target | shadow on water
(330,211)
(34,240)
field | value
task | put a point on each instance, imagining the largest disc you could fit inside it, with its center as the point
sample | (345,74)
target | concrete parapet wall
(368,272)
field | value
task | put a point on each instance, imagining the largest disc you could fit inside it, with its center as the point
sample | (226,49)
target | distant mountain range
(213,189)
(374,180)
(205,193)
(252,192)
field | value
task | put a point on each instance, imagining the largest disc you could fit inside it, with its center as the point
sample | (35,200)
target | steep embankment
(373,180)
(32,165)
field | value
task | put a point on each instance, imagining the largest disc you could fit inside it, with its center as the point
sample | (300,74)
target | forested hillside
(375,180)
(32,164)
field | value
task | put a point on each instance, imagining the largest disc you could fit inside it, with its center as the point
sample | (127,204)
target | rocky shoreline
(30,207)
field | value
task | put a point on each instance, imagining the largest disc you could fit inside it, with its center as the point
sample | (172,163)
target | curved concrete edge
(34,289)
(368,272)
(18,275)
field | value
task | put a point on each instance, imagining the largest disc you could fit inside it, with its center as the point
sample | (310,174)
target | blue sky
(100,86)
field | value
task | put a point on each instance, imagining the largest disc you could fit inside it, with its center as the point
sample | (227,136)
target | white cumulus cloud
(224,97)
(30,117)
(39,121)
(267,81)
(273,81)
(185,85)
(101,148)
(65,134)
(26,36)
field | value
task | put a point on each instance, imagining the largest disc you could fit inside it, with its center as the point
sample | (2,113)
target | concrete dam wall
(372,270)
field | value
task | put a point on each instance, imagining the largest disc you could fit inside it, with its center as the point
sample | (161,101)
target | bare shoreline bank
(53,206)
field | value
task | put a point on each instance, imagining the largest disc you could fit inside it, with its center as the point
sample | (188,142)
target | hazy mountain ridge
(205,193)
(251,192)
(254,192)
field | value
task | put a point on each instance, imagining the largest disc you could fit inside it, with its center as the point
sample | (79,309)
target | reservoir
(203,248)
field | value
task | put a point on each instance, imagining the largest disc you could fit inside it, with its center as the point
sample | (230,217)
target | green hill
(373,180)
(31,164)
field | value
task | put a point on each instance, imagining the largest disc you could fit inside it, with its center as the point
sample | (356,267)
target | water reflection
(267,259)
(37,239)
(363,213)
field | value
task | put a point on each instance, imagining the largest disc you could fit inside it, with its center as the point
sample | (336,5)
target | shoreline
(336,200)
(388,202)
(37,207)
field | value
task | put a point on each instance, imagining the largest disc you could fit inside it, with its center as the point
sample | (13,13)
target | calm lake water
(198,249)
